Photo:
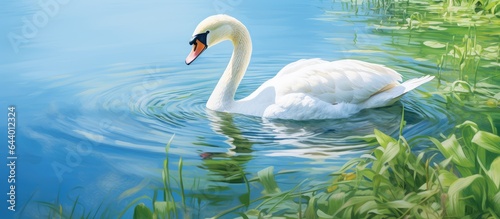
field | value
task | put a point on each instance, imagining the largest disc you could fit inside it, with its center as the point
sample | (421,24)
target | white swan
(302,90)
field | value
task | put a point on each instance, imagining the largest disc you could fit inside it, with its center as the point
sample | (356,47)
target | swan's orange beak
(199,43)
(198,48)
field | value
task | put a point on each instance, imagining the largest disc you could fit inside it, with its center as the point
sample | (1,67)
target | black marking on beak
(202,37)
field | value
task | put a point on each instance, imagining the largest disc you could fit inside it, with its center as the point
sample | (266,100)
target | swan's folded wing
(298,66)
(348,81)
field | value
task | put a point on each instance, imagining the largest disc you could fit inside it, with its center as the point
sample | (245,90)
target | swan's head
(211,31)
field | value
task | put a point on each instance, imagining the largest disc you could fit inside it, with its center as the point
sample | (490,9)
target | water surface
(102,87)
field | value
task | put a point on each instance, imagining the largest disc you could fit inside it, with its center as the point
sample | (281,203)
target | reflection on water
(323,139)
(228,166)
(317,140)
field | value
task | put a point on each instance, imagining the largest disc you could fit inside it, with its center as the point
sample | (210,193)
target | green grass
(55,210)
(458,177)
(393,182)
(167,207)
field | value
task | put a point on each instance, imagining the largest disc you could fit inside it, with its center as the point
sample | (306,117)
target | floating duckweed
(437,28)
(434,44)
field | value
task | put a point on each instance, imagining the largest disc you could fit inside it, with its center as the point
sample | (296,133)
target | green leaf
(310,213)
(385,155)
(245,199)
(142,212)
(163,208)
(348,165)
(445,162)
(446,178)
(488,141)
(496,203)
(266,177)
(167,147)
(322,214)
(456,207)
(381,211)
(253,212)
(451,148)
(357,200)
(494,172)
(398,204)
(492,48)
(426,194)
(469,124)
(243,215)
(134,190)
(390,152)
(379,181)
(461,87)
(335,201)
(369,205)
(382,138)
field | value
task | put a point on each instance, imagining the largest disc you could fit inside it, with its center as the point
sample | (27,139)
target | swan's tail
(390,96)
(415,82)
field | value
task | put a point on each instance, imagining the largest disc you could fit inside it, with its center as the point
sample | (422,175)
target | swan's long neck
(222,98)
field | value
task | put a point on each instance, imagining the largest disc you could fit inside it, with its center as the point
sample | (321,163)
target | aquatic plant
(459,36)
(392,181)
(55,210)
(167,206)
(464,59)
(458,177)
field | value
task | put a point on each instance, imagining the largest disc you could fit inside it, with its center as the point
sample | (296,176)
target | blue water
(101,87)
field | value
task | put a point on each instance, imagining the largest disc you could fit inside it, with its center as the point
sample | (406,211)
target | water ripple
(170,101)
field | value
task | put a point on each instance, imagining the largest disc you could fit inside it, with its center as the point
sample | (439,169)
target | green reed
(465,64)
(394,182)
(168,208)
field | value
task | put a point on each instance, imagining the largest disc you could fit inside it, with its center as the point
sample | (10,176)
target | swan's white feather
(305,89)
(318,89)
(349,81)
(297,65)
